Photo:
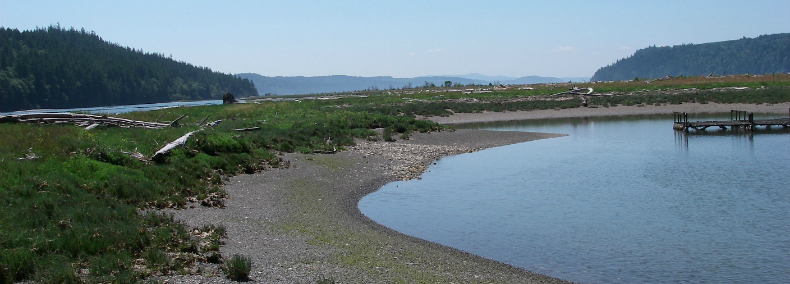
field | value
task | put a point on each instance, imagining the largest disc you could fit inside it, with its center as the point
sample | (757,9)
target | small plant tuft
(238,268)
(388,135)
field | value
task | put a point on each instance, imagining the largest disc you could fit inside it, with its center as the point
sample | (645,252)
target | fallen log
(576,91)
(159,155)
(248,129)
(214,123)
(79,119)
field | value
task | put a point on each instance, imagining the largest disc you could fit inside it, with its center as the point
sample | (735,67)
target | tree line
(55,67)
(765,54)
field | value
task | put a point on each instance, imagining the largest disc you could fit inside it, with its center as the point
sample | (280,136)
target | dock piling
(738,118)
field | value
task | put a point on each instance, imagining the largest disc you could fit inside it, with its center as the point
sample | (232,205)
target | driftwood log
(248,129)
(577,91)
(159,155)
(82,120)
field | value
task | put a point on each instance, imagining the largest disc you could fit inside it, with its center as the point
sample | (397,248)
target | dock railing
(737,115)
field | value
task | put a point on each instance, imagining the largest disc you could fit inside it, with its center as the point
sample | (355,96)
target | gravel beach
(301,224)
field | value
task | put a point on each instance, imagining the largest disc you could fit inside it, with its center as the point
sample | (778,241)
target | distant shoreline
(460,118)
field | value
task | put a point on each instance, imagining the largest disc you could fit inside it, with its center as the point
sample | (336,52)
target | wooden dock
(738,119)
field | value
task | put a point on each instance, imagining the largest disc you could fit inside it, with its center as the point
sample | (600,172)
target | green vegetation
(238,268)
(72,204)
(59,68)
(76,205)
(436,102)
(765,54)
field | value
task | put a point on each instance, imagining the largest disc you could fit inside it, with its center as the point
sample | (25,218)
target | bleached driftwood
(79,119)
(248,129)
(576,91)
(170,146)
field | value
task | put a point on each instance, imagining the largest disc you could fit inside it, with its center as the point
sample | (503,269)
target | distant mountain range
(520,80)
(761,55)
(340,83)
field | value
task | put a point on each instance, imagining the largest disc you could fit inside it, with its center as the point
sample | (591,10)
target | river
(111,110)
(618,200)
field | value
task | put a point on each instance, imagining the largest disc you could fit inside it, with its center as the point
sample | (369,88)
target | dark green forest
(765,54)
(55,67)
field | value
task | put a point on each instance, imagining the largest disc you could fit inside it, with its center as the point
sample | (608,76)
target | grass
(76,206)
(75,210)
(238,267)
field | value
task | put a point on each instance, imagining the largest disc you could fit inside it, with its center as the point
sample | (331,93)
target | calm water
(120,109)
(618,200)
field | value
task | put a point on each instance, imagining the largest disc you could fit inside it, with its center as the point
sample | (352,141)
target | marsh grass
(771,88)
(74,205)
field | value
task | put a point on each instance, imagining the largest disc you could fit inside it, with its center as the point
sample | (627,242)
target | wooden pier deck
(738,119)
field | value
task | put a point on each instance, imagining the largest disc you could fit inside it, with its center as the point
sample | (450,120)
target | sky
(405,38)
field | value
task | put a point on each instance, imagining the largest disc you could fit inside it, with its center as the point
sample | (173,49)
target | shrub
(387,135)
(238,268)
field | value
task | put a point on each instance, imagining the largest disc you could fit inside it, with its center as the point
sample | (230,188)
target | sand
(301,224)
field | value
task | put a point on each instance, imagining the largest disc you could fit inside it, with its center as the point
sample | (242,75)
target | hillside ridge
(58,68)
(765,54)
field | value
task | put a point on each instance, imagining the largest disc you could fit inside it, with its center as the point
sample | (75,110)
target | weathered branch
(202,121)
(175,122)
(249,129)
(159,155)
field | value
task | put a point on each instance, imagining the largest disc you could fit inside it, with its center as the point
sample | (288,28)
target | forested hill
(761,55)
(59,68)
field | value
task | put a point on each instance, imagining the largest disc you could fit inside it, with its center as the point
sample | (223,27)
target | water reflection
(737,134)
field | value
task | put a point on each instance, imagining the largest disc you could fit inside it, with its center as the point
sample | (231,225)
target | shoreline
(301,224)
(460,118)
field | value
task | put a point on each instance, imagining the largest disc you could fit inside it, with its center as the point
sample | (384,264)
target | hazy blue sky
(403,38)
